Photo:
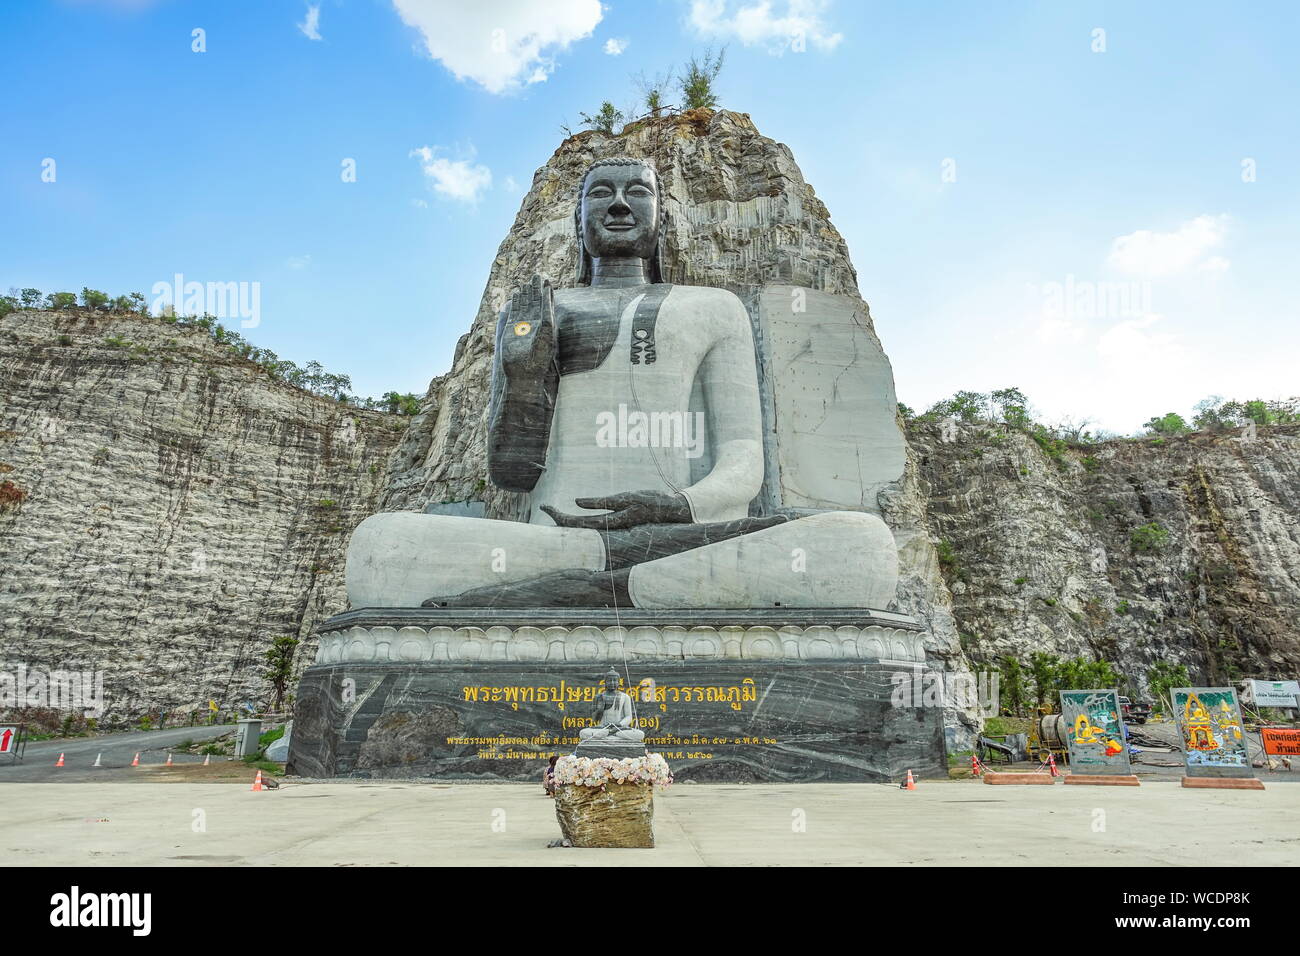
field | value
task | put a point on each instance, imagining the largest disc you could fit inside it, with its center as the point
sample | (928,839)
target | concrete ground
(364,823)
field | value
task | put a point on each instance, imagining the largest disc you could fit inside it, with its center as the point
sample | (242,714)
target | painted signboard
(1209,726)
(1095,732)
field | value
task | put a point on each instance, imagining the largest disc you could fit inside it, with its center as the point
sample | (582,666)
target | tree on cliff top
(1170,423)
(697,81)
(1214,414)
(93,298)
(605,119)
(652,91)
(398,403)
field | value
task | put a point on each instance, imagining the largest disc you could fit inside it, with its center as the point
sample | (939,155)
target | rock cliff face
(1048,552)
(1037,556)
(740,216)
(168,509)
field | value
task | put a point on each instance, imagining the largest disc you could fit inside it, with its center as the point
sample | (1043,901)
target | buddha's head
(611,681)
(620,213)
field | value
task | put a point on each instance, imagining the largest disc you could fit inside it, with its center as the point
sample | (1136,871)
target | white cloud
(1136,342)
(1155,254)
(500,45)
(615,46)
(754,24)
(458,179)
(298,263)
(310,27)
(510,185)
(1059,331)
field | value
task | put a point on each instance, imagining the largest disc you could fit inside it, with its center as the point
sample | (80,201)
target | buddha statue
(628,409)
(613,715)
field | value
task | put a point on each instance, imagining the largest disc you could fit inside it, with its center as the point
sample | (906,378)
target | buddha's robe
(688,422)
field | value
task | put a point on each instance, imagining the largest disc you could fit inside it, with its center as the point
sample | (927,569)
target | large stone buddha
(629,409)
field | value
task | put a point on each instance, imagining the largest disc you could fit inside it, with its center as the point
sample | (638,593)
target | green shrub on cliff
(965,406)
(1168,424)
(1052,446)
(93,299)
(396,403)
(948,562)
(1214,414)
(1149,537)
(604,119)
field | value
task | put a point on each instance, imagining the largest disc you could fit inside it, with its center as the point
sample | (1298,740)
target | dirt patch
(225,771)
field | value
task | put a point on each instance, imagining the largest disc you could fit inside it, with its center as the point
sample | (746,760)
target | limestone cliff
(168,509)
(1185,550)
(1036,555)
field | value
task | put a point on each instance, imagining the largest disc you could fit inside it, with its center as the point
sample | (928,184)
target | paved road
(117,750)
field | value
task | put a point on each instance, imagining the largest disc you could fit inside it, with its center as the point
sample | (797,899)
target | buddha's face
(620,212)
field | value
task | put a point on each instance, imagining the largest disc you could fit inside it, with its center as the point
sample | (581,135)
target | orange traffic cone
(136,761)
(207,760)
(99,760)
(909,784)
(1051,764)
(169,760)
(59,763)
(257,783)
(974,765)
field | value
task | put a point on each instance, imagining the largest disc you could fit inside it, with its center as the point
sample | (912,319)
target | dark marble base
(745,720)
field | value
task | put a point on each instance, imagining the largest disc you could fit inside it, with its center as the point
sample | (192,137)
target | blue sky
(991,166)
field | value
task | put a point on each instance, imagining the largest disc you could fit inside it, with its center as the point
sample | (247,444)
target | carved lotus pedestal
(616,815)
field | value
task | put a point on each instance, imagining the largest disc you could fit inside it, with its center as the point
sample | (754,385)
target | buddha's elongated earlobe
(658,272)
(584,261)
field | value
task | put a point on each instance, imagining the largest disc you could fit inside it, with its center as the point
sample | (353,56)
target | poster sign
(1271,693)
(1209,727)
(12,744)
(1281,741)
(1095,732)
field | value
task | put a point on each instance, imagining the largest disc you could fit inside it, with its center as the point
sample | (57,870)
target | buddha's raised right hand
(526,337)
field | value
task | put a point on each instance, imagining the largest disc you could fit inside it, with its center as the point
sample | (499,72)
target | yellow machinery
(1047,735)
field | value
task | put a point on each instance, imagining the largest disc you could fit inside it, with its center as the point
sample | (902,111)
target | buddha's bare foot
(571,588)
